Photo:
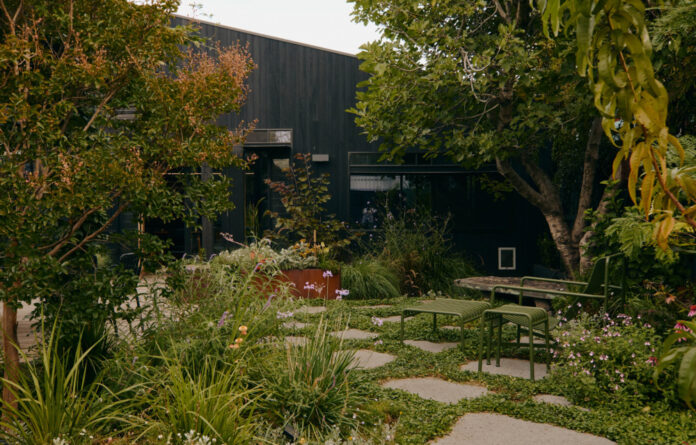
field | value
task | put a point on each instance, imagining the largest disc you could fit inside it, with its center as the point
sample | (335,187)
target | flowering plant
(680,347)
(597,356)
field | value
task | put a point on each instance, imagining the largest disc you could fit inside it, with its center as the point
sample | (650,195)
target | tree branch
(94,234)
(522,187)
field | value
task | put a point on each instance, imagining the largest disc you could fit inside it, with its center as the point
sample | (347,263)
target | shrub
(261,257)
(55,401)
(417,246)
(309,386)
(211,402)
(304,196)
(679,350)
(369,278)
(601,360)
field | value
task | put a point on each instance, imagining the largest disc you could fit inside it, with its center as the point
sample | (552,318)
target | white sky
(323,23)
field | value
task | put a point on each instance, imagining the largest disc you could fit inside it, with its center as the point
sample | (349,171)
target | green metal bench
(465,310)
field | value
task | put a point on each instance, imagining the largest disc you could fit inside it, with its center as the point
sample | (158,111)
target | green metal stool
(465,310)
(524,317)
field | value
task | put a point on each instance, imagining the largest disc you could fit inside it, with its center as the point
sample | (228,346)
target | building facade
(298,97)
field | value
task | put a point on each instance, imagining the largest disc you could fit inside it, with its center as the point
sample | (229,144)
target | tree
(100,102)
(614,52)
(479,83)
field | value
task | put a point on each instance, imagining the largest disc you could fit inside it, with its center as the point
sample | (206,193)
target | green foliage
(679,349)
(417,247)
(55,400)
(605,361)
(479,84)
(614,51)
(261,257)
(309,388)
(304,196)
(100,102)
(211,402)
(369,278)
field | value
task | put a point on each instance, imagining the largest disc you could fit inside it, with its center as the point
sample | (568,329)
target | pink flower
(692,310)
(327,274)
(681,327)
(377,321)
(651,361)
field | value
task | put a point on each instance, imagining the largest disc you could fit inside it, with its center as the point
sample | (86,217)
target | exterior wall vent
(507,258)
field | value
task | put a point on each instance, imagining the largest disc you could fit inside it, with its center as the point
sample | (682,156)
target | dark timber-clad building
(299,97)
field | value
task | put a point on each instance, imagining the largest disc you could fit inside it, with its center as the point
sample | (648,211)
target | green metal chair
(536,321)
(530,318)
(597,287)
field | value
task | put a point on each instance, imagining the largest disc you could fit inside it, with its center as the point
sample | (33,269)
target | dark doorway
(259,199)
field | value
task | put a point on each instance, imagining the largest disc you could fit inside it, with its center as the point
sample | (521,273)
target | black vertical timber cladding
(309,90)
(303,88)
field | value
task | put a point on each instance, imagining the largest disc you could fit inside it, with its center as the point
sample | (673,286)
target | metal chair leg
(482,330)
(500,341)
(531,352)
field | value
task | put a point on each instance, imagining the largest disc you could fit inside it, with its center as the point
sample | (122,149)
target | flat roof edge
(266,36)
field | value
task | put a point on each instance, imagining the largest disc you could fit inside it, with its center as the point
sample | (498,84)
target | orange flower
(234,346)
(243,329)
(239,340)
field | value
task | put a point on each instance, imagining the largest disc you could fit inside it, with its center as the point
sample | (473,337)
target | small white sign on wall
(507,258)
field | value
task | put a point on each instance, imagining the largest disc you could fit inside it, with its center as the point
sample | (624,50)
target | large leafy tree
(478,82)
(99,103)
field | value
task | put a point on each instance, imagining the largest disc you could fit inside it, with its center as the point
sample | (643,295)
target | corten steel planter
(301,277)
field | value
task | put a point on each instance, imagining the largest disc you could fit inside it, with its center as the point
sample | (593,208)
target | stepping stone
(354,334)
(556,400)
(525,339)
(508,366)
(295,341)
(368,359)
(430,346)
(311,310)
(496,429)
(453,328)
(295,325)
(437,389)
(395,319)
(377,306)
(552,400)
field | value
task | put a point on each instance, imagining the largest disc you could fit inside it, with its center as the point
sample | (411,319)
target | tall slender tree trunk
(10,343)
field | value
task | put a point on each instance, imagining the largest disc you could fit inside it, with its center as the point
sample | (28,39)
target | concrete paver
(354,334)
(437,389)
(431,346)
(496,429)
(508,366)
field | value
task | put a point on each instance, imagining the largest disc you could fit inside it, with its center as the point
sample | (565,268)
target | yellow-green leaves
(613,49)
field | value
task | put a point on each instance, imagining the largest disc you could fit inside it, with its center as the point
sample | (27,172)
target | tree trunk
(548,201)
(588,178)
(567,249)
(10,344)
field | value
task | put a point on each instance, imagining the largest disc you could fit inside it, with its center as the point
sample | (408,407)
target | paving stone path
(431,346)
(368,359)
(354,334)
(311,310)
(508,366)
(295,325)
(437,389)
(496,429)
